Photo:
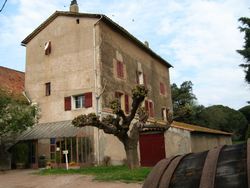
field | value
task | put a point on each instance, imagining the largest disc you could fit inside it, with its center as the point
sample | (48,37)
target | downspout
(26,96)
(97,96)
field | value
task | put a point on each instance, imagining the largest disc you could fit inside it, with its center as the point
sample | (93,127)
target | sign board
(65,152)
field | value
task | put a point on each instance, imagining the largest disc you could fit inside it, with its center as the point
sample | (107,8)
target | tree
(246,112)
(184,103)
(15,117)
(125,127)
(225,119)
(245,52)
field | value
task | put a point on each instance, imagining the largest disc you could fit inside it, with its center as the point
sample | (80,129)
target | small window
(79,101)
(47,48)
(162,89)
(83,101)
(164,114)
(47,89)
(77,21)
(120,69)
(149,107)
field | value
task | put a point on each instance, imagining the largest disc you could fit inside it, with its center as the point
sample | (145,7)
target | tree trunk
(132,155)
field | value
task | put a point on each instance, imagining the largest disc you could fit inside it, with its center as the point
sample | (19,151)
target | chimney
(74,6)
(146,44)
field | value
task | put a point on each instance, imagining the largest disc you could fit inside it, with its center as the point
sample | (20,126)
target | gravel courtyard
(27,179)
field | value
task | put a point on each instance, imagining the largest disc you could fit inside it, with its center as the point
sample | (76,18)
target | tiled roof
(11,81)
(195,128)
(103,18)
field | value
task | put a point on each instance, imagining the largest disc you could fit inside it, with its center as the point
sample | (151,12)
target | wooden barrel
(221,167)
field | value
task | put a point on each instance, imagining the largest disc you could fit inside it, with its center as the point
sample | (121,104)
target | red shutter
(119,69)
(144,80)
(137,77)
(151,109)
(162,89)
(67,103)
(88,100)
(146,105)
(126,104)
(122,71)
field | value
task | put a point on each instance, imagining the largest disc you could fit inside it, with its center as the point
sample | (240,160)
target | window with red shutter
(144,80)
(88,100)
(151,109)
(146,106)
(127,104)
(120,69)
(162,89)
(67,103)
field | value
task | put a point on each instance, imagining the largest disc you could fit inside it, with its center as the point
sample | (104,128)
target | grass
(105,173)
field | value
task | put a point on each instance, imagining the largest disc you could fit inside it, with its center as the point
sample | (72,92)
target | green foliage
(246,112)
(245,52)
(225,119)
(184,103)
(15,116)
(85,120)
(20,153)
(105,173)
(139,91)
(115,105)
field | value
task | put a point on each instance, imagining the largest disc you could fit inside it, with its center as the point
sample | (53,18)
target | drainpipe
(26,96)
(97,96)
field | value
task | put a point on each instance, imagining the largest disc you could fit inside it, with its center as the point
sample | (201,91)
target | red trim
(67,103)
(127,104)
(88,100)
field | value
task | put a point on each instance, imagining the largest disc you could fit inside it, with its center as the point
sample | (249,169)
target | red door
(152,148)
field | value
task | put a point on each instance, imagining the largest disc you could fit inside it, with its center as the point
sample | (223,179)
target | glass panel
(53,141)
(52,148)
(79,101)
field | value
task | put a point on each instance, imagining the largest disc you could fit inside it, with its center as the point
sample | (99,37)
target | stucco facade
(183,138)
(83,53)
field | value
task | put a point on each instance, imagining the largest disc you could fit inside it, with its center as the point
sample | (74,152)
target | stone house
(76,63)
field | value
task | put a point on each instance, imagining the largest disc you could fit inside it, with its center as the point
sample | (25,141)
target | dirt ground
(26,179)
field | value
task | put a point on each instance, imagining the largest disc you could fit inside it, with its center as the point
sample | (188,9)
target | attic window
(77,21)
(47,48)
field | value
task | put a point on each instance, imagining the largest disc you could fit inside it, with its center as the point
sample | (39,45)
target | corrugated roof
(12,81)
(103,18)
(195,128)
(52,130)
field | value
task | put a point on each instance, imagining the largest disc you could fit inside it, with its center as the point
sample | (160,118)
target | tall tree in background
(185,106)
(245,52)
(124,127)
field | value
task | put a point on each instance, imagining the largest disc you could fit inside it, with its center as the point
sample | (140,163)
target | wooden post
(77,158)
(71,150)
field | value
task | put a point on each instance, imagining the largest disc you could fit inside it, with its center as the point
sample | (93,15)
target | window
(120,69)
(79,101)
(47,48)
(149,107)
(47,88)
(124,101)
(162,88)
(164,114)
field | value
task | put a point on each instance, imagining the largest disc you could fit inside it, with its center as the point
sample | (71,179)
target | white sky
(198,37)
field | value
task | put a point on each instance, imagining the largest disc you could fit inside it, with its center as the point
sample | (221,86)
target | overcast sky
(198,37)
